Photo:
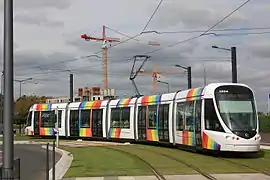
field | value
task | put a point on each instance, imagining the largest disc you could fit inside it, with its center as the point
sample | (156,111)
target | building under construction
(87,94)
(95,93)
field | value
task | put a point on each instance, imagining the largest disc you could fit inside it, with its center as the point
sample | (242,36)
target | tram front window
(237,109)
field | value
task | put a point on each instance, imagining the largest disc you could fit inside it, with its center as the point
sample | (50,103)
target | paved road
(33,161)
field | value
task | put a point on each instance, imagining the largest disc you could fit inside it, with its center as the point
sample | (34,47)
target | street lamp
(233,59)
(189,73)
(165,83)
(21,81)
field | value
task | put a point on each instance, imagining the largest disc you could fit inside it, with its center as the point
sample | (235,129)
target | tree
(22,106)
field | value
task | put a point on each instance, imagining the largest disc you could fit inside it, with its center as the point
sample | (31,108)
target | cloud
(194,16)
(48,32)
(260,49)
(37,19)
(38,4)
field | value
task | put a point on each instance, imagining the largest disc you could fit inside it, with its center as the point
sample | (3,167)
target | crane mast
(104,48)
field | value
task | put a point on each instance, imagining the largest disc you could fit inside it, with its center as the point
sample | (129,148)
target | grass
(261,163)
(205,163)
(99,161)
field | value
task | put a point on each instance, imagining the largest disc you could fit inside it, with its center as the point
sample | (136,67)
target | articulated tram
(219,117)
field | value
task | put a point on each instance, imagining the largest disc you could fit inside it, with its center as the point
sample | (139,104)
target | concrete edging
(62,166)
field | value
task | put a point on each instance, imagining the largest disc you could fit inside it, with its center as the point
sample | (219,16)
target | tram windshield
(236,107)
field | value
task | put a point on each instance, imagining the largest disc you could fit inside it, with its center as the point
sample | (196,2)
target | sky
(46,33)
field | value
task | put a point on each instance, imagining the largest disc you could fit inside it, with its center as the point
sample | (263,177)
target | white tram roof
(47,106)
(88,104)
(155,99)
(125,102)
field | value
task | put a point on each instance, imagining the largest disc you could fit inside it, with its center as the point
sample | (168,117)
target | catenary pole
(8,91)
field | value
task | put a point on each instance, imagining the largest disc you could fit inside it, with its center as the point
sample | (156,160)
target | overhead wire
(205,32)
(239,34)
(59,70)
(214,30)
(137,40)
(148,22)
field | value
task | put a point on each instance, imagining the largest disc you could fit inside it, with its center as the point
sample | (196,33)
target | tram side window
(125,119)
(211,119)
(141,116)
(36,118)
(180,115)
(163,116)
(198,115)
(74,117)
(120,117)
(29,118)
(59,118)
(152,116)
(115,117)
(47,119)
(189,107)
(85,118)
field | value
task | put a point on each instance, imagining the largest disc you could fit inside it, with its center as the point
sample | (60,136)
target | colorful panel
(29,132)
(115,132)
(150,100)
(194,94)
(90,105)
(85,132)
(46,132)
(209,143)
(188,138)
(123,102)
(152,135)
(44,107)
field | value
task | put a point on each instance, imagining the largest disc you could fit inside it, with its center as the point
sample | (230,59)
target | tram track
(246,166)
(154,171)
(206,175)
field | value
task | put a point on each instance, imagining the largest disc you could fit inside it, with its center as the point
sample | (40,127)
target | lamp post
(233,59)
(21,81)
(189,73)
(165,83)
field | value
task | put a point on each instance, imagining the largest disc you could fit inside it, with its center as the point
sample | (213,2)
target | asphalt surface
(32,161)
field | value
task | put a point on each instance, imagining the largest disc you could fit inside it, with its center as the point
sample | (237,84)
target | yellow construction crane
(155,74)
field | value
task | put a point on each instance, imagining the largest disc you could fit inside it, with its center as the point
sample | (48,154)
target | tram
(216,117)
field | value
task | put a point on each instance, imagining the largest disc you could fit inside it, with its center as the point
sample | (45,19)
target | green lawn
(205,163)
(261,163)
(100,161)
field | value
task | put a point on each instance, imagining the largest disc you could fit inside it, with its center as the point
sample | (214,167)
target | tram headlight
(258,137)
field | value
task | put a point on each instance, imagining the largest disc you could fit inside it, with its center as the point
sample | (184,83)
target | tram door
(74,123)
(163,125)
(97,123)
(36,122)
(142,123)
(197,118)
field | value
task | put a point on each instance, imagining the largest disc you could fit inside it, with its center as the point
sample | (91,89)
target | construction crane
(104,47)
(155,75)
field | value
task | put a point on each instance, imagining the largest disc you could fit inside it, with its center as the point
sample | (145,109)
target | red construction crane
(104,47)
